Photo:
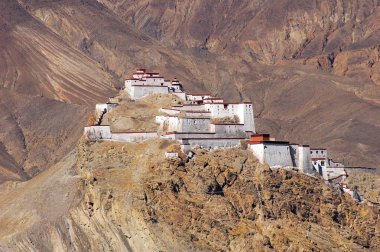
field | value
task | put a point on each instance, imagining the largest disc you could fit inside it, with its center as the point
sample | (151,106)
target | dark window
(323,163)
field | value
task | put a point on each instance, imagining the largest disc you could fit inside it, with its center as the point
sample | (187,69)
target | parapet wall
(97,132)
(132,137)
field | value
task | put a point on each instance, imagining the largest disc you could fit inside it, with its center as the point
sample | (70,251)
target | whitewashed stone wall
(333,172)
(211,143)
(173,123)
(155,81)
(132,137)
(191,107)
(229,130)
(139,91)
(197,97)
(181,95)
(170,111)
(274,154)
(181,135)
(98,132)
(304,162)
(244,111)
(99,108)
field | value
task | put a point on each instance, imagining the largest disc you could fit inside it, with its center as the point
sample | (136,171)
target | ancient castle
(208,122)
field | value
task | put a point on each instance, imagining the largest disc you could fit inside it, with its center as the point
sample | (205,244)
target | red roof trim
(227,103)
(318,158)
(268,142)
(213,98)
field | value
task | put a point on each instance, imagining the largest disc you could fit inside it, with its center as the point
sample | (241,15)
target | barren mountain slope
(296,103)
(35,133)
(339,36)
(128,197)
(283,96)
(37,61)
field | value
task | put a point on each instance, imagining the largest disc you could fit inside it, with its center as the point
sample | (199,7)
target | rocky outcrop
(119,196)
(224,200)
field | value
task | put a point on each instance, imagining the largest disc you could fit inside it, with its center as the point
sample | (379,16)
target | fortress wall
(229,130)
(211,143)
(192,107)
(169,111)
(195,125)
(181,95)
(332,172)
(274,154)
(181,135)
(155,81)
(138,92)
(204,114)
(98,132)
(132,136)
(304,158)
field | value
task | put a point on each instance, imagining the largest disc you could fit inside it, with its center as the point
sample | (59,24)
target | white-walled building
(280,153)
(275,153)
(144,83)
(319,160)
(209,122)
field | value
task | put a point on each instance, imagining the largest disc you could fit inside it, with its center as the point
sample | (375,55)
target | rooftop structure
(144,83)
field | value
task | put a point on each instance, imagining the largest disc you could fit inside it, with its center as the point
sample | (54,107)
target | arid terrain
(311,69)
(109,196)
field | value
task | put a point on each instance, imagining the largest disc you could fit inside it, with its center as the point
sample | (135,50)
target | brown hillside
(73,50)
(127,197)
(35,133)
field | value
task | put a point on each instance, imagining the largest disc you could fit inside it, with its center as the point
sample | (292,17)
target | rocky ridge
(129,197)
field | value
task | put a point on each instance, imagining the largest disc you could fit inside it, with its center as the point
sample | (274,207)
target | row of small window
(317,152)
(322,163)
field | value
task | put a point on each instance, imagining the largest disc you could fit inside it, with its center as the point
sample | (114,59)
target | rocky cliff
(114,196)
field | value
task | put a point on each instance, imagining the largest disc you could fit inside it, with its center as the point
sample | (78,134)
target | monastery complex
(208,122)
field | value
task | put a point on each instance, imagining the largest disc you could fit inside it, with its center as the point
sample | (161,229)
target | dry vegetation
(127,196)
(226,120)
(139,115)
(368,184)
